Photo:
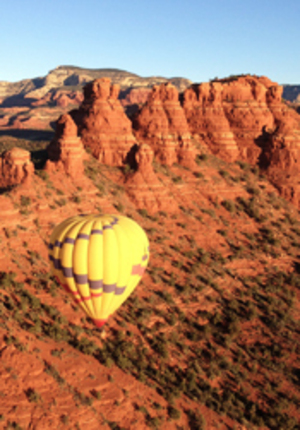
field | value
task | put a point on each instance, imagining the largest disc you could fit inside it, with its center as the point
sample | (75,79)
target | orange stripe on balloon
(96,295)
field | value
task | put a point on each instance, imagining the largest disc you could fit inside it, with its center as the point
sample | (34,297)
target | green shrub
(42,174)
(25,201)
(143,213)
(174,414)
(33,395)
(229,205)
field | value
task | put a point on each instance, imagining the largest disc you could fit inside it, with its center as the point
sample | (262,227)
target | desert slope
(208,340)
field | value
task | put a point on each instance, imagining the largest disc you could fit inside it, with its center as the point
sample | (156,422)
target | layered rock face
(144,187)
(102,123)
(15,168)
(246,105)
(281,152)
(232,115)
(281,156)
(161,123)
(66,151)
(207,120)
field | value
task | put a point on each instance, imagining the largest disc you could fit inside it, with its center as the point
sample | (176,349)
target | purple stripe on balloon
(56,263)
(119,291)
(96,285)
(83,236)
(106,227)
(96,231)
(115,221)
(58,244)
(109,288)
(144,257)
(51,246)
(81,279)
(69,240)
(68,272)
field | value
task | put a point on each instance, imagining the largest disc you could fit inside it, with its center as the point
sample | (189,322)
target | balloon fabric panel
(95,265)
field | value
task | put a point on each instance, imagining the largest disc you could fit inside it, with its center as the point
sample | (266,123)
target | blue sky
(195,39)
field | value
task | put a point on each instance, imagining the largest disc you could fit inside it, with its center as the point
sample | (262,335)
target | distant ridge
(291,93)
(73,78)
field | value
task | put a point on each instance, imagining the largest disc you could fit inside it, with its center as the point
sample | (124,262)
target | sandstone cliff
(281,156)
(161,123)
(232,116)
(207,120)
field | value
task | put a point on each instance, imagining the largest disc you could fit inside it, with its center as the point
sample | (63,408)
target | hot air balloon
(99,260)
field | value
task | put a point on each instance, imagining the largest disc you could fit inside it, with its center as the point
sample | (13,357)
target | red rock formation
(281,156)
(283,149)
(247,110)
(162,124)
(207,121)
(143,186)
(230,115)
(15,167)
(102,123)
(66,150)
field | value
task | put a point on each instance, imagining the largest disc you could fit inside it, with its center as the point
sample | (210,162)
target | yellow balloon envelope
(99,260)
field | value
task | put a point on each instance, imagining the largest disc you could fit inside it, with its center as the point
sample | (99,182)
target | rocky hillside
(210,338)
